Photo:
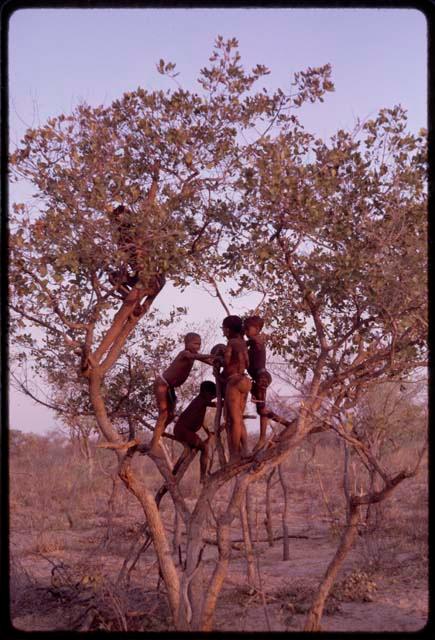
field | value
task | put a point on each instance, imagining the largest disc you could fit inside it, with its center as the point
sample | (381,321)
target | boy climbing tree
(191,420)
(174,376)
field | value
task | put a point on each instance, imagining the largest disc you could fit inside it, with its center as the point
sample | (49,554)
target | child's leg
(204,459)
(189,438)
(237,392)
(165,409)
(243,433)
(234,419)
(260,397)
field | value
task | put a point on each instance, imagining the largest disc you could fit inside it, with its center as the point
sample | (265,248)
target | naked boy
(174,376)
(192,419)
(257,370)
(238,386)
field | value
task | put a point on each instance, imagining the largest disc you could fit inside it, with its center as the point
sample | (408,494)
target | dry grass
(63,517)
(49,542)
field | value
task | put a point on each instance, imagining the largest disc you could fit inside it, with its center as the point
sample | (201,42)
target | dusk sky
(60,57)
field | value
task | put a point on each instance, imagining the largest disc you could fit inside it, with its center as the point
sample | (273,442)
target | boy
(257,370)
(192,419)
(174,376)
(238,386)
(218,351)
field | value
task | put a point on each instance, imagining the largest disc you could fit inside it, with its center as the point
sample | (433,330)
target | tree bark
(176,540)
(268,520)
(157,531)
(346,480)
(111,510)
(285,536)
(224,550)
(316,610)
(142,493)
(252,513)
(249,551)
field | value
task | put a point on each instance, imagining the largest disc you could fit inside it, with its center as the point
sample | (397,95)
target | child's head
(192,342)
(253,325)
(208,389)
(232,326)
(218,351)
(264,379)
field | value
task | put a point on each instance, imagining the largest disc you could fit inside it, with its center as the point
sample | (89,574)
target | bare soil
(65,561)
(64,578)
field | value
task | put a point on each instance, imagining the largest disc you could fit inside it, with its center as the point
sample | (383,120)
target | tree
(226,183)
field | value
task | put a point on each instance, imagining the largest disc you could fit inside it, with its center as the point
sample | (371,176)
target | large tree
(224,182)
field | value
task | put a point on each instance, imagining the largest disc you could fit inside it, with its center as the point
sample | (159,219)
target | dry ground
(64,570)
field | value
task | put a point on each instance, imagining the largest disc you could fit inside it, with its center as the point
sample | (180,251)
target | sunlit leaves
(227,182)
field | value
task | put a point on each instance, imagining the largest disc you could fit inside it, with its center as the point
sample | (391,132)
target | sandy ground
(399,602)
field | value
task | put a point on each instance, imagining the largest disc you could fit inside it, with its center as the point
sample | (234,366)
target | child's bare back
(179,369)
(174,376)
(235,357)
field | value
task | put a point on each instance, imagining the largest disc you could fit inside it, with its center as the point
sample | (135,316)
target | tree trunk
(316,610)
(252,513)
(192,595)
(249,551)
(268,520)
(224,548)
(285,537)
(158,534)
(142,493)
(111,510)
(176,540)
(346,480)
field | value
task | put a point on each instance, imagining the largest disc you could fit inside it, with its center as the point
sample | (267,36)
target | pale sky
(59,57)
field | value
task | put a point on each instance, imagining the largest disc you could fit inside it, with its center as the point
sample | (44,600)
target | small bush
(355,587)
(49,542)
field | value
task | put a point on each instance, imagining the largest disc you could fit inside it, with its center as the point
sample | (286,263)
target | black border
(7,8)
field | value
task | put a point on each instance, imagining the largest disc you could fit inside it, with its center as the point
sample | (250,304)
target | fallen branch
(238,540)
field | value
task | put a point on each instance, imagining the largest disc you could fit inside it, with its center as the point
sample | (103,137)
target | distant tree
(207,186)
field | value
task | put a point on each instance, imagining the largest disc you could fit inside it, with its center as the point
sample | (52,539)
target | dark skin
(123,279)
(174,376)
(128,275)
(256,369)
(189,422)
(218,351)
(238,386)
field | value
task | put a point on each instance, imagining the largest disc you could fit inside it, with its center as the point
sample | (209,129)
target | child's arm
(208,358)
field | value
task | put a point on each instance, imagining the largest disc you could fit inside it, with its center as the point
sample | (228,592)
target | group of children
(231,363)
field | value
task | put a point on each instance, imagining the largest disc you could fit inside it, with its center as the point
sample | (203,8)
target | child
(192,419)
(257,370)
(174,376)
(238,386)
(218,351)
